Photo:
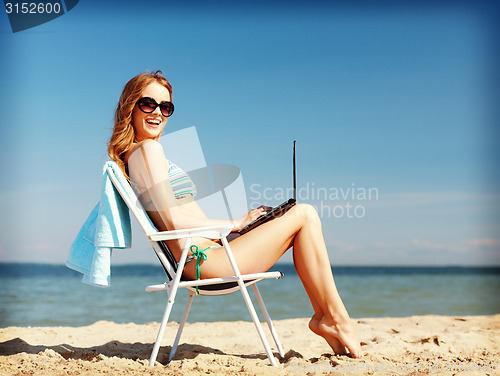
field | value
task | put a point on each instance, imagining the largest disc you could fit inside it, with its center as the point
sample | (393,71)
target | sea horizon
(43,294)
(119,264)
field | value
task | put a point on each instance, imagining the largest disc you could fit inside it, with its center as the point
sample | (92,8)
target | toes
(355,355)
(355,352)
(341,342)
(336,346)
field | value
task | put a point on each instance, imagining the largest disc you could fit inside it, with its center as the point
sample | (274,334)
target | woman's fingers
(256,213)
(266,208)
(262,210)
(252,215)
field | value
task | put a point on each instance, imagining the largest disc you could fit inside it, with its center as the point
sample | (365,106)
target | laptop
(278,210)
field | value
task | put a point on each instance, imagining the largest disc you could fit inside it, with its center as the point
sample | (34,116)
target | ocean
(53,295)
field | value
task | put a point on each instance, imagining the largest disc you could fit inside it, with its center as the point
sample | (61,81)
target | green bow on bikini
(200,255)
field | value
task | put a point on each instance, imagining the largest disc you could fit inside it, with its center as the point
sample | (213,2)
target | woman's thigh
(257,250)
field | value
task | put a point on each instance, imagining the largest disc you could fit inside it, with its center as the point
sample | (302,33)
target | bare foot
(334,343)
(342,332)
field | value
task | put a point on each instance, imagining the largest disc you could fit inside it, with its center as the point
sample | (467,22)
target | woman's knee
(308,213)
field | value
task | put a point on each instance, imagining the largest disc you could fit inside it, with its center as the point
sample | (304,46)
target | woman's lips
(153,122)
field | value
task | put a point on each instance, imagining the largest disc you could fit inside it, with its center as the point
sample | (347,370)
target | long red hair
(123,131)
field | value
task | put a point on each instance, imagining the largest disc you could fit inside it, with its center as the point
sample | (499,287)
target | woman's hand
(251,216)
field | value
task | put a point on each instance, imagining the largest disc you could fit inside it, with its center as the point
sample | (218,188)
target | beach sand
(437,345)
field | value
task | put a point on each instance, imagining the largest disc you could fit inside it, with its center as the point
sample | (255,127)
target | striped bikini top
(181,183)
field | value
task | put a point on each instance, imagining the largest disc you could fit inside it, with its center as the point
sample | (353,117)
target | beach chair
(212,286)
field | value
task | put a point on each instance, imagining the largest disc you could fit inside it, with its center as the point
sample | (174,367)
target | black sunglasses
(148,105)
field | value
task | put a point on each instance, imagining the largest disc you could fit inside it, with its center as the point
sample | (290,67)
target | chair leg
(161,331)
(268,319)
(249,304)
(256,321)
(181,326)
(159,336)
(171,298)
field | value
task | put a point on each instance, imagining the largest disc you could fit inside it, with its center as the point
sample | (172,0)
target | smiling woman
(137,117)
(149,118)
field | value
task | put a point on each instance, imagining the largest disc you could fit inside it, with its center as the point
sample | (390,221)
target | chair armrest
(210,232)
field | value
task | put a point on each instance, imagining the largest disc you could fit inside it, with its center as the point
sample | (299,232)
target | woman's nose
(157,111)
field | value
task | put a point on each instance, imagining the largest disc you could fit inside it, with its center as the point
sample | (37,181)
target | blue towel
(107,227)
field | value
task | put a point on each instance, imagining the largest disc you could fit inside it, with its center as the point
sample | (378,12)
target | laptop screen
(294,174)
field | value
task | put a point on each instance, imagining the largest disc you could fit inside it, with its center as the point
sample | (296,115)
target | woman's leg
(312,263)
(259,249)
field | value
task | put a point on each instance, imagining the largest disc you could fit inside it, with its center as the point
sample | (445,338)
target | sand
(437,345)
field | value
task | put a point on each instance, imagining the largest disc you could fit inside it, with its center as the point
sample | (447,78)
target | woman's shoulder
(150,148)
(149,152)
(150,145)
(147,149)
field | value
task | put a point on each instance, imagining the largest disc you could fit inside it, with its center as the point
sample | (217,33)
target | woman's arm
(189,220)
(148,167)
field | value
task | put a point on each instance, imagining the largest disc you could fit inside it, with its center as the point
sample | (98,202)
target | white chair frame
(236,282)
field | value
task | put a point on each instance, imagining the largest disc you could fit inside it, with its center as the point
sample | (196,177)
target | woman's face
(150,126)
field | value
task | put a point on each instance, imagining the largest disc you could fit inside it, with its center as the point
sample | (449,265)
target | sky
(393,106)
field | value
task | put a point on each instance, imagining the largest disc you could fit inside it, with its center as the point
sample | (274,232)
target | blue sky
(400,100)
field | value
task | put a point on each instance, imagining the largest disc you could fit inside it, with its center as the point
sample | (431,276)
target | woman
(168,195)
